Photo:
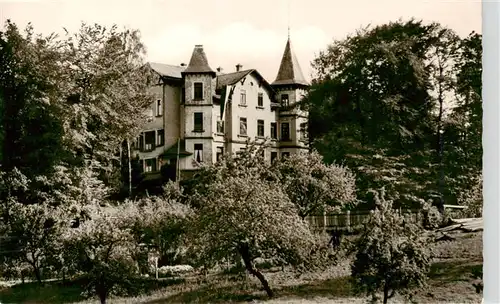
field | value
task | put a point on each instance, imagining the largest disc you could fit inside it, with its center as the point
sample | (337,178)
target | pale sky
(252,33)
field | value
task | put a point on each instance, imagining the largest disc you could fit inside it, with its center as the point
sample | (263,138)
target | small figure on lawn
(335,239)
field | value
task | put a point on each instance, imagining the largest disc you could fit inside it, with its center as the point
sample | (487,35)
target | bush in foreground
(391,254)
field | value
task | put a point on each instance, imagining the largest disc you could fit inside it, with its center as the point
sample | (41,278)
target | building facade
(200,114)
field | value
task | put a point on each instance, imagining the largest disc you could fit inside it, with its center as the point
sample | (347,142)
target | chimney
(238,67)
(183,64)
(219,69)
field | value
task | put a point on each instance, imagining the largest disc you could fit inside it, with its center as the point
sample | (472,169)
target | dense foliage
(66,103)
(400,105)
(242,210)
(112,246)
(314,186)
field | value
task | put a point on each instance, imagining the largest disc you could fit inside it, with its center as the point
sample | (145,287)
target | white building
(200,114)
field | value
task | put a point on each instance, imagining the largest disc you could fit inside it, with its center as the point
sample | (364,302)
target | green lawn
(449,282)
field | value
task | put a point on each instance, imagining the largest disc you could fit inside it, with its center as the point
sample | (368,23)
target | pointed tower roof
(198,62)
(290,72)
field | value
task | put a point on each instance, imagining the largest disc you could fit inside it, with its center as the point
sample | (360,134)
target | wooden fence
(355,219)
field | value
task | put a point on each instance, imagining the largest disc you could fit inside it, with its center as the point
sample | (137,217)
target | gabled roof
(198,62)
(290,72)
(167,70)
(232,78)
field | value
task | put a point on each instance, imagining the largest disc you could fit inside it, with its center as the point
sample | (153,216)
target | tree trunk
(121,155)
(440,142)
(245,254)
(102,298)
(101,293)
(386,293)
(38,275)
(129,169)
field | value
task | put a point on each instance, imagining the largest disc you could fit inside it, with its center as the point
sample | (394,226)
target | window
(220,153)
(284,100)
(150,140)
(150,113)
(183,95)
(137,143)
(160,135)
(303,131)
(243,98)
(198,122)
(274,155)
(150,165)
(159,108)
(198,152)
(243,126)
(260,128)
(141,142)
(260,100)
(198,91)
(274,131)
(220,126)
(285,155)
(285,131)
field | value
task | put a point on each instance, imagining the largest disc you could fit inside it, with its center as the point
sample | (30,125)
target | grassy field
(449,282)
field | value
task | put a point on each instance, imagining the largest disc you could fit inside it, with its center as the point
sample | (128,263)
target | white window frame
(245,125)
(159,107)
(159,139)
(198,152)
(149,169)
(194,91)
(263,127)
(243,97)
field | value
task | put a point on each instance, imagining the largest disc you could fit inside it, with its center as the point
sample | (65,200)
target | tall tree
(31,121)
(107,94)
(463,128)
(70,101)
(66,105)
(378,104)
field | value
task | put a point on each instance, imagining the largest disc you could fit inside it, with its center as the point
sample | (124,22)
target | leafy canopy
(314,186)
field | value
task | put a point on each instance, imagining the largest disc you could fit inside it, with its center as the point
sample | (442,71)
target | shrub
(390,254)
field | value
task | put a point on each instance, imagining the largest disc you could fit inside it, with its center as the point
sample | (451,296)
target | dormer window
(284,100)
(243,98)
(198,91)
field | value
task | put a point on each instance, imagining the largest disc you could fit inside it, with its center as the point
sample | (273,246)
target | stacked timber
(460,225)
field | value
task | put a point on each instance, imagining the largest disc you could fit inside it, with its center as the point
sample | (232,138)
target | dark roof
(171,152)
(232,78)
(290,72)
(198,62)
(167,70)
